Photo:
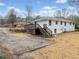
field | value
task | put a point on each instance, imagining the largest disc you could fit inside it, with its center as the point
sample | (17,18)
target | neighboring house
(56,25)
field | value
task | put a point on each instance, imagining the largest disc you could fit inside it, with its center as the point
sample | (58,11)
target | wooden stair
(30,28)
(46,32)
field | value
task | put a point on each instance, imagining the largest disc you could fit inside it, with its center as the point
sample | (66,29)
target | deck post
(35,27)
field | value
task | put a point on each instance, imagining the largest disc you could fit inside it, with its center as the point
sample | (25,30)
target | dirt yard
(66,47)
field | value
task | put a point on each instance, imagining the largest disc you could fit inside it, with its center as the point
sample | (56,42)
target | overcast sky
(40,7)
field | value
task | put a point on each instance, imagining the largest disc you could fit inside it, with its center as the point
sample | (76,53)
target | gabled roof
(53,19)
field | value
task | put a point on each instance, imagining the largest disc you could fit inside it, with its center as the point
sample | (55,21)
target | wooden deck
(35,29)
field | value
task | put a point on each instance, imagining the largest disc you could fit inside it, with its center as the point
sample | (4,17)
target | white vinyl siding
(59,27)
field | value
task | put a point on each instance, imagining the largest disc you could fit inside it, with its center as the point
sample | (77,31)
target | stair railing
(41,29)
(46,31)
(49,31)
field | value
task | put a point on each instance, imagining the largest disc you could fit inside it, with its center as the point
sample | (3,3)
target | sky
(39,7)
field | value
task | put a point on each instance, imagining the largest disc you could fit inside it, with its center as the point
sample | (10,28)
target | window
(65,23)
(73,24)
(50,22)
(61,22)
(70,23)
(56,22)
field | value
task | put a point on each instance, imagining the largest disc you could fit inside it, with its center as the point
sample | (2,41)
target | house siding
(59,27)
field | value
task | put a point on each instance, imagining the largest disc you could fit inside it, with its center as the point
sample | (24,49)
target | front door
(55,31)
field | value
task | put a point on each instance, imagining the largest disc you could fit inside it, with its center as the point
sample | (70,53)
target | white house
(56,25)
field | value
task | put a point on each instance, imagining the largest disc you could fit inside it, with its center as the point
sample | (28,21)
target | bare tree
(1,20)
(12,16)
(37,17)
(58,13)
(29,13)
(74,3)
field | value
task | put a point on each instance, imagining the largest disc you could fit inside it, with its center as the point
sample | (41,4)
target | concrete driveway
(15,46)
